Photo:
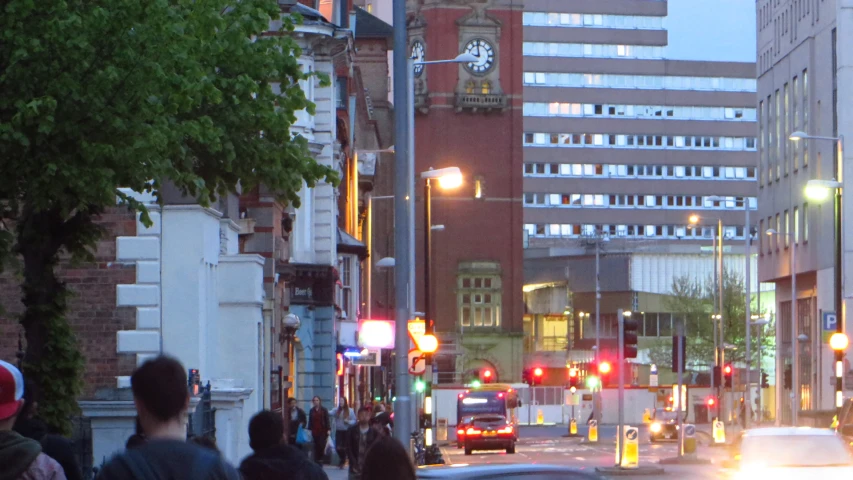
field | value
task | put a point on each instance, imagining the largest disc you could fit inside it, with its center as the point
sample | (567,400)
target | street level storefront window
(479,295)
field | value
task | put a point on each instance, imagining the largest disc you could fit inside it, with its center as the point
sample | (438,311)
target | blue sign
(830,323)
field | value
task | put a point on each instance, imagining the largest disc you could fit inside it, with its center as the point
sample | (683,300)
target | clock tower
(470,116)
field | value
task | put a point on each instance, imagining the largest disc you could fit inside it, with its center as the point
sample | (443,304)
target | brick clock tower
(470,116)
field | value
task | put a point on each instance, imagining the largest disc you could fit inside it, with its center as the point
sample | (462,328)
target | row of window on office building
(636,201)
(597,170)
(669,232)
(615,140)
(780,114)
(557,109)
(646,82)
(624,22)
(790,227)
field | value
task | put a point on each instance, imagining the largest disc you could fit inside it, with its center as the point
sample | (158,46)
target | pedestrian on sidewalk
(318,424)
(359,439)
(160,393)
(388,460)
(273,459)
(297,418)
(21,458)
(344,420)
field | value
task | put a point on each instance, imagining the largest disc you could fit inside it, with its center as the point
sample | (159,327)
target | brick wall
(93,313)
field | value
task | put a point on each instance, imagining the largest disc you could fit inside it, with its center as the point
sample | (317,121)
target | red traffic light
(573,372)
(711,402)
(727,369)
(487,374)
(537,372)
(604,368)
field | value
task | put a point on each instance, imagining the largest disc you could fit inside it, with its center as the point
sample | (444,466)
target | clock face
(418,55)
(485,54)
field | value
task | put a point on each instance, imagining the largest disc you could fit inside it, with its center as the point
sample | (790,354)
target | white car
(792,452)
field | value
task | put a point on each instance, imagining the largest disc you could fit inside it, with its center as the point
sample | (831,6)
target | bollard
(719,432)
(631,452)
(647,416)
(540,417)
(593,431)
(573,427)
(689,440)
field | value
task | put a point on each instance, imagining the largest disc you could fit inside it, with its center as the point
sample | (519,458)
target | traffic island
(630,472)
(684,461)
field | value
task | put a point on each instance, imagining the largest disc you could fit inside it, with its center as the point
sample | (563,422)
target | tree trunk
(52,361)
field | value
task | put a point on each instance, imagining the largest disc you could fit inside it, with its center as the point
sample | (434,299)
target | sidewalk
(335,473)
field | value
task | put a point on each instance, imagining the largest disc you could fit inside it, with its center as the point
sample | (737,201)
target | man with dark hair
(161,397)
(359,439)
(273,459)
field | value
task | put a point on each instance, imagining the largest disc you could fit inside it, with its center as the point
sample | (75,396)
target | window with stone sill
(479,300)
(346,300)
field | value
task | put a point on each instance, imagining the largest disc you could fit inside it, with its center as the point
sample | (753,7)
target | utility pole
(403,205)
(747,276)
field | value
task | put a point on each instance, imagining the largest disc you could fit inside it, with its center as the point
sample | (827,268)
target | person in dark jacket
(387,460)
(160,393)
(272,458)
(320,428)
(359,439)
(297,418)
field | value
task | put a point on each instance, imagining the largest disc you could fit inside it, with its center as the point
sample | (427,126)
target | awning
(349,244)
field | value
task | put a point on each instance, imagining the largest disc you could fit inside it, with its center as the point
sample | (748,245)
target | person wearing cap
(21,458)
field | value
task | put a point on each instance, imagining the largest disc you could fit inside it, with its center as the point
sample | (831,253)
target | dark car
(460,431)
(514,471)
(664,425)
(489,432)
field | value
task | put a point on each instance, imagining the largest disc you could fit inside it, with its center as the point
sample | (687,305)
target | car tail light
(473,431)
(500,395)
(506,430)
(460,432)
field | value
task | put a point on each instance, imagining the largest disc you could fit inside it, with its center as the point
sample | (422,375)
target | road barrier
(593,431)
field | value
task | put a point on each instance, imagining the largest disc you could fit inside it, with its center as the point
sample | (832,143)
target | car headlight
(655,428)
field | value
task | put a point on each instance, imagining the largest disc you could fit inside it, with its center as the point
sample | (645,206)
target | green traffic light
(419,385)
(475,384)
(592,382)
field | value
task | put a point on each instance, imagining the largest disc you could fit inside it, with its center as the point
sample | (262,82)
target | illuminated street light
(838,341)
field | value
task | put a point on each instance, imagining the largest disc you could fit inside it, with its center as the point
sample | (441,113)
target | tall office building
(637,114)
(799,73)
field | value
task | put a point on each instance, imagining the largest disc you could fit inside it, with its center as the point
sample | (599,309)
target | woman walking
(344,419)
(318,425)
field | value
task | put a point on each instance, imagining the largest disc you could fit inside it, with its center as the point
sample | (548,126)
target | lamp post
(450,177)
(819,190)
(719,353)
(795,349)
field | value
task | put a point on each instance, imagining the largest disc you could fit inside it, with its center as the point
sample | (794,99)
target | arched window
(486,87)
(469,87)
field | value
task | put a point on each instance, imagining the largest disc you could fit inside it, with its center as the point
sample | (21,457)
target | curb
(684,461)
(626,472)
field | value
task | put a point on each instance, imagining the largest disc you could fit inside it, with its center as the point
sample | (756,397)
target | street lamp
(818,190)
(795,374)
(448,178)
(719,353)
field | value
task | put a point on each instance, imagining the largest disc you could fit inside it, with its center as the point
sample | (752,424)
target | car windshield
(665,415)
(794,451)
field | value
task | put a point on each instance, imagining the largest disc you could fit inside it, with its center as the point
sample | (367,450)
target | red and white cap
(11,390)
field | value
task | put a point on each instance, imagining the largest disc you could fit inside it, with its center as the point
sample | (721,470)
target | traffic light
(728,373)
(525,376)
(604,370)
(537,376)
(764,380)
(419,385)
(711,401)
(630,335)
(789,381)
(718,376)
(574,377)
(486,375)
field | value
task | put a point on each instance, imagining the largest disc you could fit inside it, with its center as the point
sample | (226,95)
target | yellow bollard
(647,416)
(689,439)
(540,417)
(593,431)
(573,427)
(719,432)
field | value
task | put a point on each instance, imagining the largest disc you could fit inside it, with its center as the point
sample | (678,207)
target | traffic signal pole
(620,430)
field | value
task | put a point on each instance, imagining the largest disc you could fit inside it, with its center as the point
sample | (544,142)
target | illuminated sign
(376,334)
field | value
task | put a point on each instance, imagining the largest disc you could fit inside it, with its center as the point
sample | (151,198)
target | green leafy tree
(693,302)
(96,95)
